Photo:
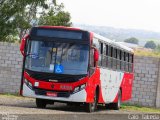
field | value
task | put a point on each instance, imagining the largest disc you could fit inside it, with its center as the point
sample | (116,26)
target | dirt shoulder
(22,105)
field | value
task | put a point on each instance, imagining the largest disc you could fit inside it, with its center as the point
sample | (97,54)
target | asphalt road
(25,108)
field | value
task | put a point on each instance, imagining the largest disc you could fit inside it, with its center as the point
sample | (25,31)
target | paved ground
(26,108)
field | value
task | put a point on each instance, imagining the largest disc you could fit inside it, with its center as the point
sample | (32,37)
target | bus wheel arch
(91,107)
(98,92)
(117,105)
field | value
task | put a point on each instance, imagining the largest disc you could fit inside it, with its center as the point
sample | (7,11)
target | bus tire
(117,105)
(91,107)
(70,104)
(41,103)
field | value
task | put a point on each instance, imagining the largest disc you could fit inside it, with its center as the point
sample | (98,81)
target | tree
(132,40)
(16,16)
(150,44)
(157,48)
(56,17)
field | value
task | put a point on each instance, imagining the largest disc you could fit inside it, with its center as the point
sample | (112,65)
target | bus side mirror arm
(23,43)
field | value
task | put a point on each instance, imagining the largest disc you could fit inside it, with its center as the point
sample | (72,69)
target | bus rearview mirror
(96,55)
(23,43)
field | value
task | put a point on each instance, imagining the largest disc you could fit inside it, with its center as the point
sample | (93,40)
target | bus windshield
(58,58)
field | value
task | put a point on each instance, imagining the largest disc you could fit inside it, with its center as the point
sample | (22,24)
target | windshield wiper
(31,54)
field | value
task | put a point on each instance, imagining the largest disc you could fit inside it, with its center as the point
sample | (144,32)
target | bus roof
(113,43)
(60,27)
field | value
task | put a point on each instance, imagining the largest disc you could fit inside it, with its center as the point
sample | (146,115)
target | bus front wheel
(41,103)
(91,107)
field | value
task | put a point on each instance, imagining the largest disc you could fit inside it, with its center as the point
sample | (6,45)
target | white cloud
(138,14)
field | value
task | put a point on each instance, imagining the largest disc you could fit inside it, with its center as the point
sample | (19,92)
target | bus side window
(92,64)
(127,62)
(107,54)
(114,58)
(130,62)
(96,43)
(122,60)
(101,53)
(104,56)
(92,58)
(111,57)
(118,59)
(101,48)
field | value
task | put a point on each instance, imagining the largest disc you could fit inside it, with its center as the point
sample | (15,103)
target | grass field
(139,108)
(147,53)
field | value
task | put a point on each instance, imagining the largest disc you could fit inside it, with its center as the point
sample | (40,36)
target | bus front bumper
(76,97)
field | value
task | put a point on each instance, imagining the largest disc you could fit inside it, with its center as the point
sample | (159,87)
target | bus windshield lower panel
(58,58)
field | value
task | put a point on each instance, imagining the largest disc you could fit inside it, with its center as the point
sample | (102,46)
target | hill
(119,34)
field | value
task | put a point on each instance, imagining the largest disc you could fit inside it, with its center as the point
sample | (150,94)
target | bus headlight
(79,88)
(76,89)
(29,84)
(83,86)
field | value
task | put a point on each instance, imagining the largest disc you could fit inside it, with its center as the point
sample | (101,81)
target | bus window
(101,53)
(107,51)
(96,43)
(104,56)
(130,62)
(122,60)
(118,59)
(127,62)
(101,48)
(107,54)
(115,53)
(91,58)
(114,58)
(111,51)
(127,57)
(92,64)
(109,57)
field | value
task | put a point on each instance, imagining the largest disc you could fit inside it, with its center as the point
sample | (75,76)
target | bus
(71,65)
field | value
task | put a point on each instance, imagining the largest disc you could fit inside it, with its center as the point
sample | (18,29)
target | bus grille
(43,92)
(51,76)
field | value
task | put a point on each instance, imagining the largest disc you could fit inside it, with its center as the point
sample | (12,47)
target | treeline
(149,44)
(18,16)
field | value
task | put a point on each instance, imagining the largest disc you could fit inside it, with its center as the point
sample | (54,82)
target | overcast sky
(137,14)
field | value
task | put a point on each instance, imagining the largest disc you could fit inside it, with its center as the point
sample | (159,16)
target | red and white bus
(64,64)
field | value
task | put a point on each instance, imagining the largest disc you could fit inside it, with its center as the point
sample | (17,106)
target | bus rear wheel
(41,103)
(117,105)
(91,107)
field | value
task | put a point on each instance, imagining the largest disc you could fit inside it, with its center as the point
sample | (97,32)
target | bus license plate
(52,94)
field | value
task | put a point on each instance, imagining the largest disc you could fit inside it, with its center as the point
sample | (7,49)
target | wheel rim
(93,105)
(119,100)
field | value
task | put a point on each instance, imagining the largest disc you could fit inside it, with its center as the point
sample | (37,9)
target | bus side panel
(127,86)
(93,82)
(110,84)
